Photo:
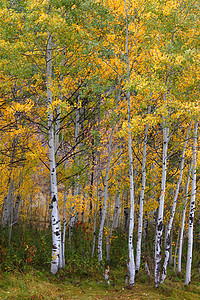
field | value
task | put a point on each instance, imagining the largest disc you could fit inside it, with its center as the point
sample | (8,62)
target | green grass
(34,284)
(25,265)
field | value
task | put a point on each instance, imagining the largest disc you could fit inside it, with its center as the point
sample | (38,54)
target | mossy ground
(34,284)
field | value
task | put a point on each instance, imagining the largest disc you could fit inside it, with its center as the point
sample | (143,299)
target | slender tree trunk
(55,217)
(114,224)
(183,220)
(192,208)
(94,230)
(91,182)
(171,249)
(140,219)
(131,263)
(175,252)
(108,236)
(74,213)
(159,226)
(99,191)
(167,237)
(105,197)
(64,228)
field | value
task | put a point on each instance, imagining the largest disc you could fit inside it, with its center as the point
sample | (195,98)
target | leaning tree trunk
(159,226)
(167,237)
(183,220)
(140,219)
(192,208)
(56,259)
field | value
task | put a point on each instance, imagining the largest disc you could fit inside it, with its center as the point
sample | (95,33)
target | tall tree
(192,208)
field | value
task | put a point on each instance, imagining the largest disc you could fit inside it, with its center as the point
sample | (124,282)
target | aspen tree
(100,238)
(103,214)
(56,259)
(140,219)
(169,227)
(192,208)
(183,220)
(131,263)
(99,200)
(159,225)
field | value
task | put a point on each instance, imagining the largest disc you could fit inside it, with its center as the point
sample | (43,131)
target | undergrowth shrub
(28,246)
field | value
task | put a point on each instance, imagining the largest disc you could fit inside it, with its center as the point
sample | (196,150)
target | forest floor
(34,284)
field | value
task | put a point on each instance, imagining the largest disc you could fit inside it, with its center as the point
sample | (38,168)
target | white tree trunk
(175,252)
(56,261)
(64,228)
(168,232)
(100,238)
(131,264)
(183,220)
(171,249)
(192,208)
(140,219)
(159,226)
(108,245)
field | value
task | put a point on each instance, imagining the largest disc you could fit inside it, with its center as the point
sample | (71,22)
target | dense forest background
(99,152)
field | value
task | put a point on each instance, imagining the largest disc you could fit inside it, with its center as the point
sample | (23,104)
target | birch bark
(100,238)
(140,219)
(56,261)
(64,229)
(131,264)
(183,220)
(192,208)
(167,237)
(159,226)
